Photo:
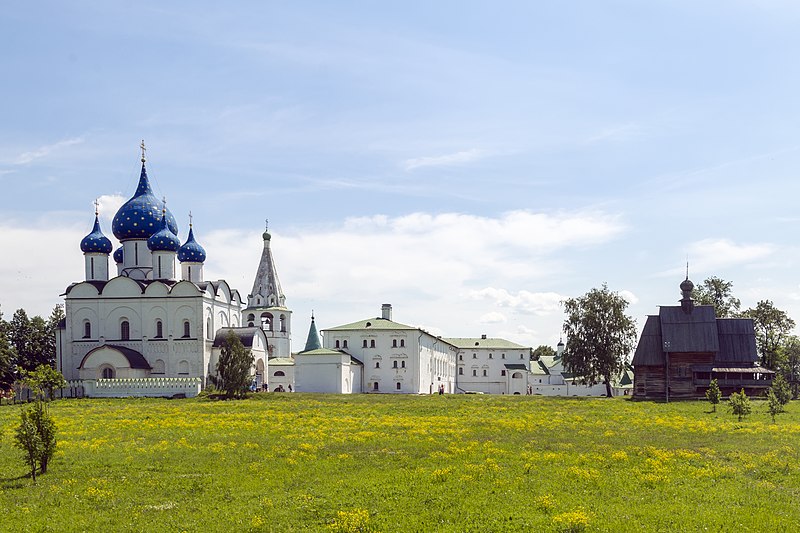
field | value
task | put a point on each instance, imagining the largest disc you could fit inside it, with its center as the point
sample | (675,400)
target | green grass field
(299,462)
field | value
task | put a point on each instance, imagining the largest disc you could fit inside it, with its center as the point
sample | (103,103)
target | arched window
(158,367)
(208,327)
(394,364)
(377,364)
(375,386)
(491,355)
(87,330)
(460,371)
(372,343)
(159,329)
(364,345)
(461,357)
(108,373)
(344,343)
(394,343)
(183,367)
(266,321)
(125,330)
(403,364)
(251,317)
(402,343)
(474,373)
(283,323)
(398,386)
(187,329)
(485,372)
(521,356)
(337,343)
(279,374)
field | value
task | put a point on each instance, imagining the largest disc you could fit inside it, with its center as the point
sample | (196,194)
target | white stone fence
(127,387)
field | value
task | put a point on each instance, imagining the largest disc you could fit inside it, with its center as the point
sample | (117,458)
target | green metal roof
(281,361)
(492,343)
(322,351)
(312,342)
(372,323)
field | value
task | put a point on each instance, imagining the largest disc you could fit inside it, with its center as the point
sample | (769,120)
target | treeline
(778,349)
(26,343)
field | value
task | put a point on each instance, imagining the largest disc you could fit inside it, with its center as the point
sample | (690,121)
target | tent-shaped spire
(312,343)
(267,290)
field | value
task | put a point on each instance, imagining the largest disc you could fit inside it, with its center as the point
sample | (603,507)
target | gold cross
(190,219)
(143,150)
(96,207)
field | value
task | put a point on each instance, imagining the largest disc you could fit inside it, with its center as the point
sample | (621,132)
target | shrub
(781,390)
(713,394)
(739,404)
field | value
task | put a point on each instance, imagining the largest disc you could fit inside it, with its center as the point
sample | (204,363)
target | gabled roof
(649,351)
(689,332)
(372,323)
(492,343)
(281,361)
(737,341)
(539,368)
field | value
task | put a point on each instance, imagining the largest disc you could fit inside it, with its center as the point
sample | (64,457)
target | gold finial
(164,205)
(143,150)
(190,219)
(96,207)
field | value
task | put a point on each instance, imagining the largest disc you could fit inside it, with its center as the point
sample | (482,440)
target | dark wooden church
(685,346)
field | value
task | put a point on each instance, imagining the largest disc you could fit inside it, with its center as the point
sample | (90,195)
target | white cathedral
(155,330)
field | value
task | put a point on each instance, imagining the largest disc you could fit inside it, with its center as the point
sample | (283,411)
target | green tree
(44,380)
(717,292)
(790,368)
(7,357)
(772,328)
(713,394)
(46,428)
(781,390)
(599,336)
(27,439)
(542,351)
(234,367)
(739,404)
(773,404)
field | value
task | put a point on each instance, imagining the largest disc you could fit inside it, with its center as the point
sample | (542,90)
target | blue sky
(472,163)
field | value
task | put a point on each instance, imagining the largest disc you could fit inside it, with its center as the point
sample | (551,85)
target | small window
(502,356)
(460,371)
(187,330)
(491,355)
(474,373)
(377,364)
(337,343)
(485,372)
(125,330)
(394,364)
(403,364)
(344,343)
(364,345)
(402,343)
(159,330)
(521,356)
(279,374)
(208,328)
(394,343)
(372,343)
(397,386)
(474,356)
(251,317)
(375,386)
(87,330)
(283,323)
(108,373)
(461,357)
(502,372)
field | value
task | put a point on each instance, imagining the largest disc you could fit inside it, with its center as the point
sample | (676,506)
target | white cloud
(629,297)
(539,303)
(493,317)
(457,158)
(43,151)
(108,205)
(709,255)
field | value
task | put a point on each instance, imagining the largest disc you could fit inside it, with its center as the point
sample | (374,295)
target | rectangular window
(502,372)
(394,364)
(460,371)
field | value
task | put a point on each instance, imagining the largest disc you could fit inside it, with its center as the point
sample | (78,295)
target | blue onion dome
(96,242)
(140,217)
(191,252)
(118,255)
(163,240)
